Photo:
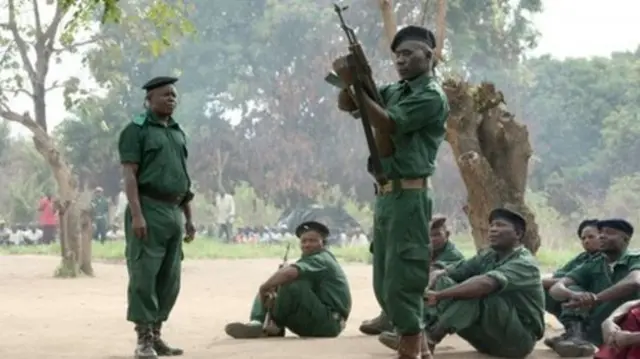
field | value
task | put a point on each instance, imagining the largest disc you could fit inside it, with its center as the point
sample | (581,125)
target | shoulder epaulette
(140,119)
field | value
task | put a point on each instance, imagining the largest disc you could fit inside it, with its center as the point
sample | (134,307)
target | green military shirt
(519,278)
(597,275)
(419,108)
(574,263)
(100,207)
(327,280)
(448,255)
(160,152)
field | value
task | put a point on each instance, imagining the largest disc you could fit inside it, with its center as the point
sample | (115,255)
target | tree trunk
(492,151)
(69,207)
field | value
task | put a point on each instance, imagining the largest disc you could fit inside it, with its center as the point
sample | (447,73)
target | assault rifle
(268,326)
(363,85)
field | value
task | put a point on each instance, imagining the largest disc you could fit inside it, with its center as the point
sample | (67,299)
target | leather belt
(161,197)
(403,183)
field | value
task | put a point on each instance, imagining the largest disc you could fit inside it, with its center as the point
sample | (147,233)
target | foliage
(25,177)
(582,114)
(266,60)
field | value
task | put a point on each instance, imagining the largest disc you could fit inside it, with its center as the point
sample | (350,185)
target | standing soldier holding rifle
(408,118)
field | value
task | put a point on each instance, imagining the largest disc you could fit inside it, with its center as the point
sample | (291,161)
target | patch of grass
(208,248)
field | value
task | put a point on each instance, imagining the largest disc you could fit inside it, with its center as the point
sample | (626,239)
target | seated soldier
(443,254)
(588,234)
(606,281)
(493,300)
(310,297)
(621,333)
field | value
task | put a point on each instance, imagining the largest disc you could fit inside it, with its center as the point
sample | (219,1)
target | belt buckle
(387,188)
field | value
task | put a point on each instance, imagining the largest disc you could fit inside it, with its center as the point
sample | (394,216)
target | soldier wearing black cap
(494,300)
(312,295)
(413,117)
(588,233)
(607,280)
(153,154)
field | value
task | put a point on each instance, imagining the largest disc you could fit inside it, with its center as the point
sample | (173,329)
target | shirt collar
(417,82)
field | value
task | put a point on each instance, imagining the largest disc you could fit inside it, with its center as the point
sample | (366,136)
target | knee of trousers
(142,275)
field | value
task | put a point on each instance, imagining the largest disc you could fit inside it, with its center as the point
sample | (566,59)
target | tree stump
(492,151)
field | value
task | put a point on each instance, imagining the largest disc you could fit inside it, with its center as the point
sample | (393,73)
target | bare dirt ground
(85,318)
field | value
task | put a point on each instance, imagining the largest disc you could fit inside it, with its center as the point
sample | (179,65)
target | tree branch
(23,48)
(51,32)
(79,44)
(19,91)
(37,20)
(24,119)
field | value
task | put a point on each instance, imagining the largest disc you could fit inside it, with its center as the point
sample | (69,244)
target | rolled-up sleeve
(129,147)
(416,111)
(310,266)
(515,275)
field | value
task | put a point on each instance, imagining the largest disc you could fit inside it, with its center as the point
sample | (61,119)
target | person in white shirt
(16,237)
(225,214)
(32,235)
(121,205)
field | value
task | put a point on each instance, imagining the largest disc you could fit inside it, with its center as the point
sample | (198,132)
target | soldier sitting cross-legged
(493,300)
(310,297)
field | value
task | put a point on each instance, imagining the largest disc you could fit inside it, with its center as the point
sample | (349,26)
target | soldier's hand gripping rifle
(363,85)
(268,326)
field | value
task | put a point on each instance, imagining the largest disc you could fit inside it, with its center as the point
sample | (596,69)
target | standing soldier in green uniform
(153,154)
(589,238)
(100,214)
(313,299)
(414,115)
(443,254)
(604,283)
(493,300)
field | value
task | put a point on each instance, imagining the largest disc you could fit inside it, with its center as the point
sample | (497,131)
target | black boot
(160,346)
(575,344)
(144,348)
(433,336)
(376,325)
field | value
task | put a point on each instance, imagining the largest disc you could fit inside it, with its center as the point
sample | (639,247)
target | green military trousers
(299,309)
(491,325)
(401,249)
(154,263)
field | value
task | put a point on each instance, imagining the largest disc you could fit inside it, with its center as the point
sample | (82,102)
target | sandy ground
(85,318)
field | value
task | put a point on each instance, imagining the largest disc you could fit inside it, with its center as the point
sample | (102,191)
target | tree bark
(492,151)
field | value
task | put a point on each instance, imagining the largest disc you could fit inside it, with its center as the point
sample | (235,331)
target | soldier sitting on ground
(588,234)
(607,281)
(310,297)
(443,254)
(493,300)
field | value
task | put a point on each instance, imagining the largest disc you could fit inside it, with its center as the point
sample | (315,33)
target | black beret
(312,226)
(586,223)
(414,33)
(159,81)
(438,221)
(513,217)
(619,224)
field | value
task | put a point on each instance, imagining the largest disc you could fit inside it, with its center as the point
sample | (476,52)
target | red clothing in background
(48,215)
